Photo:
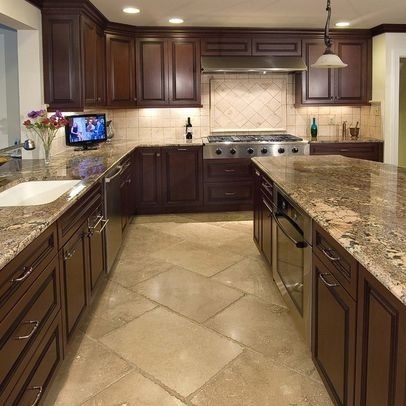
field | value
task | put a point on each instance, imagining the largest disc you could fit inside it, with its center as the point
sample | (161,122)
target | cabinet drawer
(22,328)
(73,219)
(216,170)
(372,151)
(21,272)
(232,46)
(37,376)
(217,193)
(275,45)
(341,264)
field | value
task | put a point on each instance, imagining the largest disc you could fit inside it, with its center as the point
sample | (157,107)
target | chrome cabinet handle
(129,181)
(268,207)
(158,154)
(344,150)
(39,389)
(35,324)
(327,253)
(27,273)
(267,186)
(182,149)
(326,282)
(118,173)
(105,221)
(69,254)
(93,227)
(257,173)
(229,193)
(229,170)
(298,244)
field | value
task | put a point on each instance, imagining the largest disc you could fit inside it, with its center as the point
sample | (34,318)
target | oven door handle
(298,244)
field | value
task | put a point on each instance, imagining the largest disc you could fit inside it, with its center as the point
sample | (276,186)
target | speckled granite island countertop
(361,204)
(19,226)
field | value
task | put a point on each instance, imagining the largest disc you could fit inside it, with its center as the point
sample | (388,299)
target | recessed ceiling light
(175,20)
(342,24)
(131,10)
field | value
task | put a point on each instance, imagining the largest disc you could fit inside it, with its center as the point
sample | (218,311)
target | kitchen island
(358,286)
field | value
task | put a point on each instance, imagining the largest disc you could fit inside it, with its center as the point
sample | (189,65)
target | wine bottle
(313,130)
(189,129)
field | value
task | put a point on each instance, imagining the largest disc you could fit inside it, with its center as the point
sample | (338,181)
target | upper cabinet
(120,71)
(226,45)
(347,86)
(276,45)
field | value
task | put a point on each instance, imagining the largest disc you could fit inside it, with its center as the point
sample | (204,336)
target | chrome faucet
(28,145)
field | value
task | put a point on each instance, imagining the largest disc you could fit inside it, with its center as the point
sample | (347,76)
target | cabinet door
(148,178)
(184,72)
(182,177)
(352,83)
(100,67)
(257,208)
(89,52)
(232,46)
(120,71)
(152,72)
(381,345)
(266,229)
(73,266)
(62,67)
(314,86)
(334,324)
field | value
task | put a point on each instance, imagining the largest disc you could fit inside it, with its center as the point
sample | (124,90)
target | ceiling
(255,13)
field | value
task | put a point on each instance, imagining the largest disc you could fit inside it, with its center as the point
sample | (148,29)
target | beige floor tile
(134,390)
(188,293)
(254,380)
(219,216)
(179,353)
(114,307)
(267,329)
(242,245)
(159,218)
(252,276)
(132,270)
(204,260)
(87,369)
(205,234)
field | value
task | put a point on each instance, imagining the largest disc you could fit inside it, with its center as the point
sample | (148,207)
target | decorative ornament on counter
(45,127)
(189,130)
(313,130)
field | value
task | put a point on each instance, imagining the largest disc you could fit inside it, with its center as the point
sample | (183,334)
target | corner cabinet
(347,86)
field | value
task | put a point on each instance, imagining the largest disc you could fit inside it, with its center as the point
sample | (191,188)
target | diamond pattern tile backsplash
(253,104)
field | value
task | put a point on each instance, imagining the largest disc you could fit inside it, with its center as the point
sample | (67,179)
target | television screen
(86,129)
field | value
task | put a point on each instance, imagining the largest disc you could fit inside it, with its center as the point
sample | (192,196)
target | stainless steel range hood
(246,64)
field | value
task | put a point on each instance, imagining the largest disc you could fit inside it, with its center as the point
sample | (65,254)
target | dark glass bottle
(189,129)
(313,130)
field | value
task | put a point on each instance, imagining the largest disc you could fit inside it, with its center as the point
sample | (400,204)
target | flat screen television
(86,130)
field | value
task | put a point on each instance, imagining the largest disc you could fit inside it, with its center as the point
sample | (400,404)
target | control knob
(281,150)
(219,151)
(295,150)
(233,151)
(250,151)
(264,150)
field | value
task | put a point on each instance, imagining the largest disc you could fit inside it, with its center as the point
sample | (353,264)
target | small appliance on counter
(85,131)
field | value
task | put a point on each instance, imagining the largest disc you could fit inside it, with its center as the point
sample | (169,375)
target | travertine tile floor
(189,316)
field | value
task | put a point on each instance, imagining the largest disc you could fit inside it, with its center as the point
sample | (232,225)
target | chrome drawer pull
(257,173)
(93,227)
(39,389)
(327,253)
(324,280)
(27,273)
(182,149)
(104,225)
(35,324)
(69,255)
(230,193)
(118,173)
(229,170)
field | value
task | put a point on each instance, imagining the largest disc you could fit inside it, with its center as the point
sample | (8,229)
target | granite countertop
(340,140)
(19,226)
(361,204)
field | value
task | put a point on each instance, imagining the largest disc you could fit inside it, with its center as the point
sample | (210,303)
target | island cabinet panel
(257,229)
(182,177)
(184,72)
(226,45)
(276,45)
(381,352)
(62,65)
(266,229)
(152,71)
(120,71)
(372,151)
(334,334)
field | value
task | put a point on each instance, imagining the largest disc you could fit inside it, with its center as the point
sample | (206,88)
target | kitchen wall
(402,114)
(167,124)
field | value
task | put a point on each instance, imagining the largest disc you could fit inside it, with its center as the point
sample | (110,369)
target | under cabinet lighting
(176,20)
(131,10)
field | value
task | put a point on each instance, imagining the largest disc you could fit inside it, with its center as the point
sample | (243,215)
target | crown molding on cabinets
(383,28)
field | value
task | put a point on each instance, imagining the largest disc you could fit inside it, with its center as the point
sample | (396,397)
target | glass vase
(47,152)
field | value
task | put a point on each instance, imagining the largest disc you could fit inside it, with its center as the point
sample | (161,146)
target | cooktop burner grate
(253,138)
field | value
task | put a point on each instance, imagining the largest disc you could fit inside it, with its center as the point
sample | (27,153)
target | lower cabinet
(372,151)
(257,231)
(334,327)
(381,355)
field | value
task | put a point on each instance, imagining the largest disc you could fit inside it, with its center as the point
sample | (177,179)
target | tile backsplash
(168,124)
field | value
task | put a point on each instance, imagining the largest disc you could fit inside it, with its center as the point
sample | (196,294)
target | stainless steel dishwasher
(113,212)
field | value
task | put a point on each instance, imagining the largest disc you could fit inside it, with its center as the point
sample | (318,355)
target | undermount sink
(34,193)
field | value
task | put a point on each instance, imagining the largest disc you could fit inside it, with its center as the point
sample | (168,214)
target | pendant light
(329,59)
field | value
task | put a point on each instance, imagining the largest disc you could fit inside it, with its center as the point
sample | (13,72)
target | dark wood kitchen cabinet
(347,86)
(226,45)
(94,62)
(127,186)
(381,346)
(276,45)
(168,72)
(257,209)
(372,151)
(121,79)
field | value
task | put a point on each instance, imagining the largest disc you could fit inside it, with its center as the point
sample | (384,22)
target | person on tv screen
(99,130)
(90,129)
(75,135)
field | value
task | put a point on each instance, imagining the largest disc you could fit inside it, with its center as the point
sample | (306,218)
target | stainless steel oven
(292,259)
